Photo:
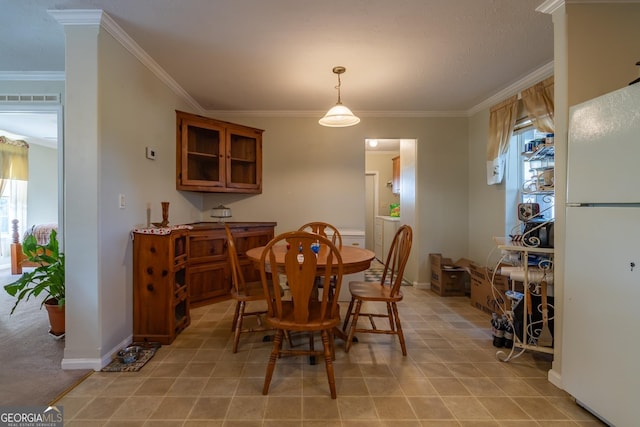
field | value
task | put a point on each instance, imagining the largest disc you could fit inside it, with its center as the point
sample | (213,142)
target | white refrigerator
(601,321)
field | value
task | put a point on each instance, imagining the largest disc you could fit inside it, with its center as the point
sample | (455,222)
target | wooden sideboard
(187,267)
(208,272)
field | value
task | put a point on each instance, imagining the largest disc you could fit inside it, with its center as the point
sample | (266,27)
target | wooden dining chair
(244,292)
(387,291)
(324,229)
(330,232)
(302,311)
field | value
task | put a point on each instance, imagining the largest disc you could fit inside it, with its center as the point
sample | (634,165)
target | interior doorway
(40,125)
(378,176)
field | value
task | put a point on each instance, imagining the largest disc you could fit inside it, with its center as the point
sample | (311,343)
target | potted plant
(46,279)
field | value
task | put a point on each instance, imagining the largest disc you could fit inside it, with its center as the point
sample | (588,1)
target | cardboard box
(488,290)
(447,278)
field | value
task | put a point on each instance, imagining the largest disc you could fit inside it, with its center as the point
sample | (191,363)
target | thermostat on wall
(151,153)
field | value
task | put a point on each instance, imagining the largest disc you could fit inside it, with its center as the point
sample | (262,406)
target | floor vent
(48,98)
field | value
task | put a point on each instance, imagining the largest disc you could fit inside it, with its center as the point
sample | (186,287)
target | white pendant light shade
(339,115)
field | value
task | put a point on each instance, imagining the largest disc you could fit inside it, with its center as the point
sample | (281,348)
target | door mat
(144,355)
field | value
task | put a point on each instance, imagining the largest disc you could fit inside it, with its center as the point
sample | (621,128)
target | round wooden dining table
(354,258)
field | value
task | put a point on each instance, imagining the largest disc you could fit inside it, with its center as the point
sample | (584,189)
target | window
(530,176)
(13,204)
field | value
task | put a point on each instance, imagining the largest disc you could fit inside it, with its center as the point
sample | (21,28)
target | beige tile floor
(450,377)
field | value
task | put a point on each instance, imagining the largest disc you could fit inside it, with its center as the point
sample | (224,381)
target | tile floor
(450,377)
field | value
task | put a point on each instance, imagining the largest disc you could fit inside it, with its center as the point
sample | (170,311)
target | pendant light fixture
(339,115)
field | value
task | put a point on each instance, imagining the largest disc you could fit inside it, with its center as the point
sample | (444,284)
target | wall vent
(48,98)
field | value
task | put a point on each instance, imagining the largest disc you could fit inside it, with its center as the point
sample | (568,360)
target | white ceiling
(403,57)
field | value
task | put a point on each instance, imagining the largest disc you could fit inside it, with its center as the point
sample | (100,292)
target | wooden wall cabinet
(395,175)
(217,156)
(160,291)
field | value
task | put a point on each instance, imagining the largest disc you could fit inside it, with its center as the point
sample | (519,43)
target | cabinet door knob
(150,287)
(149,270)
(164,273)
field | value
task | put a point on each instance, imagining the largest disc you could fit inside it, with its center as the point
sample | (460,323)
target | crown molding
(99,17)
(77,16)
(515,88)
(319,114)
(550,6)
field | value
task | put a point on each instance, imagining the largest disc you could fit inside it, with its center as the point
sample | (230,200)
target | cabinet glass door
(244,159)
(202,157)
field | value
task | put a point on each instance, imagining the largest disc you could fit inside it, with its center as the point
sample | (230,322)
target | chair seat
(371,291)
(315,322)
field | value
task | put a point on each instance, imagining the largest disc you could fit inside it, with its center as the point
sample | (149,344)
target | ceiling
(403,58)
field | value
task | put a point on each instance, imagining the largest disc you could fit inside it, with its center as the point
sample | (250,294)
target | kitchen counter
(385,230)
(389,218)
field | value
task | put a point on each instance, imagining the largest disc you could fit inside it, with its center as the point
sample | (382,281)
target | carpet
(30,357)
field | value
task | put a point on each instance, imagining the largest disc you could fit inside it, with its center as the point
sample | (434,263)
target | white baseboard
(555,378)
(423,285)
(95,363)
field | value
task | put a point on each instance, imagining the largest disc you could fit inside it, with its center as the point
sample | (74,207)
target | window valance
(14,160)
(502,119)
(538,104)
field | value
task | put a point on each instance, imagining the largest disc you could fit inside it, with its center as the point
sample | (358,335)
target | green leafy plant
(47,278)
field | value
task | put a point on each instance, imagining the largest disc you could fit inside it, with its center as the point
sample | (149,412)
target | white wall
(42,191)
(116,107)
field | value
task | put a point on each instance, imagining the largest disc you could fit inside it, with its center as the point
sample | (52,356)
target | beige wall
(381,162)
(486,202)
(602,42)
(312,172)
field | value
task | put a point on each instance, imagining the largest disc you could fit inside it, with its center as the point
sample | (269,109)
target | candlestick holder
(165,215)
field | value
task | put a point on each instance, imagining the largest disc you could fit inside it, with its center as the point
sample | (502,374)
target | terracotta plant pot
(56,317)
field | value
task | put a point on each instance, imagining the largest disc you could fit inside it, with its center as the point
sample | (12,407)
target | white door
(601,331)
(603,149)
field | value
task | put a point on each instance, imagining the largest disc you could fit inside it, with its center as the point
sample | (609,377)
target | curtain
(14,161)
(502,119)
(538,102)
(14,175)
